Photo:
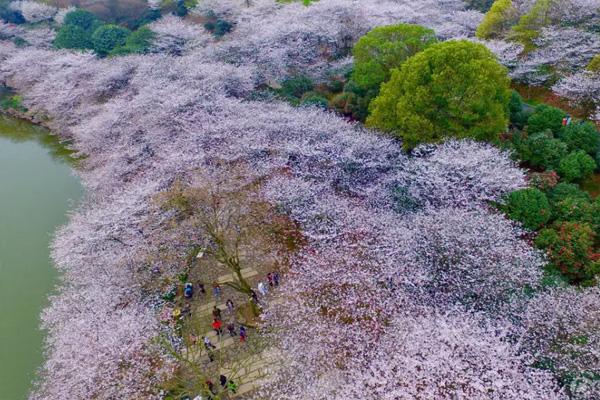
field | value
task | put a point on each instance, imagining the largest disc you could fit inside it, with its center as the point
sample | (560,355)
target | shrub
(14,102)
(451,89)
(384,48)
(570,248)
(72,37)
(83,19)
(581,137)
(138,42)
(594,64)
(529,206)
(518,116)
(150,15)
(497,20)
(351,105)
(545,117)
(296,86)
(108,37)
(479,5)
(542,150)
(543,180)
(402,201)
(566,190)
(222,27)
(576,166)
(314,99)
(573,209)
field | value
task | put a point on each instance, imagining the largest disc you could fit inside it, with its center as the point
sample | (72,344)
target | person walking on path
(217,324)
(270,279)
(253,296)
(216,312)
(276,278)
(231,329)
(262,288)
(223,380)
(216,291)
(230,306)
(242,334)
(201,288)
(208,344)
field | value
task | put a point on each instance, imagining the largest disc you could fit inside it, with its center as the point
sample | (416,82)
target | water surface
(37,188)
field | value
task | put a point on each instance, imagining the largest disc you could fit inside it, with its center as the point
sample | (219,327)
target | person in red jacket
(217,324)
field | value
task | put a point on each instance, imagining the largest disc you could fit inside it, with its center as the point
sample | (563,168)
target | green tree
(530,24)
(545,117)
(574,209)
(565,190)
(576,166)
(518,114)
(529,206)
(497,20)
(570,246)
(542,150)
(451,89)
(385,48)
(581,137)
(108,37)
(83,19)
(594,64)
(72,37)
(138,42)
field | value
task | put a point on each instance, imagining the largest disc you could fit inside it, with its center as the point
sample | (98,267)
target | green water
(37,188)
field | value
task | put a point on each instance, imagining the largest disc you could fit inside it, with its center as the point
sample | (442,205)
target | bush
(570,249)
(479,5)
(138,42)
(581,137)
(222,27)
(72,37)
(573,209)
(497,20)
(529,206)
(530,24)
(83,19)
(314,99)
(296,86)
(566,190)
(518,116)
(576,166)
(384,48)
(451,89)
(546,117)
(351,105)
(594,65)
(543,180)
(150,15)
(542,150)
(11,16)
(108,37)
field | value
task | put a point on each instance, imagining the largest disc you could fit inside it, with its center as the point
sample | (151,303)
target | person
(201,288)
(217,326)
(216,312)
(231,329)
(188,291)
(230,306)
(564,121)
(232,386)
(270,278)
(253,296)
(211,356)
(208,344)
(276,278)
(223,380)
(262,288)
(216,291)
(242,334)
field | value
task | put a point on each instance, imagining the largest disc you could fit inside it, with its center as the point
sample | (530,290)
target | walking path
(244,372)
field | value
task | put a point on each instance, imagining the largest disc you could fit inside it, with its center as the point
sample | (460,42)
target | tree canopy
(451,89)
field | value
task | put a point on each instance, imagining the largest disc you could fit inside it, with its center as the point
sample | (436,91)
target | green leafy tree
(138,42)
(518,114)
(574,209)
(296,86)
(385,48)
(451,89)
(108,37)
(542,150)
(529,206)
(72,37)
(564,191)
(83,19)
(545,117)
(570,247)
(594,64)
(581,137)
(576,166)
(497,20)
(530,24)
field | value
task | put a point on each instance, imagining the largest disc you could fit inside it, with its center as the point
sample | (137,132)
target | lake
(37,189)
